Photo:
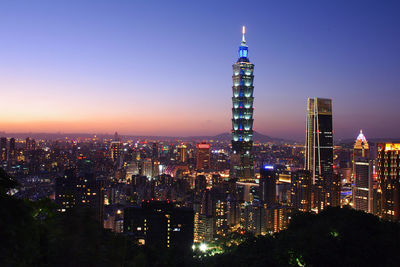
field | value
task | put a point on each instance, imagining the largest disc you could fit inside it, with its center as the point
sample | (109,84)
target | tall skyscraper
(362,175)
(388,170)
(242,162)
(319,151)
(203,156)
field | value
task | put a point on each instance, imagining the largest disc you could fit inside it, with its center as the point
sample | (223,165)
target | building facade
(388,171)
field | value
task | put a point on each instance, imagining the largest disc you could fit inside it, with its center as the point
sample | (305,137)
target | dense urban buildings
(242,165)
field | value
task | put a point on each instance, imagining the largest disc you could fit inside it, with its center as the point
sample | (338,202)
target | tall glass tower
(242,162)
(319,153)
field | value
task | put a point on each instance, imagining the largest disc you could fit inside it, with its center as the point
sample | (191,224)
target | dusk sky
(165,67)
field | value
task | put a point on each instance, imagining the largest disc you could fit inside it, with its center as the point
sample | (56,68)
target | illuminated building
(182,153)
(203,228)
(115,150)
(268,178)
(388,171)
(161,225)
(147,168)
(319,152)
(203,156)
(361,147)
(242,162)
(3,149)
(204,221)
(156,168)
(362,175)
(301,187)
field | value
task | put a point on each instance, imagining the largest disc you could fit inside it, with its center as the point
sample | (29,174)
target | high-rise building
(362,175)
(388,171)
(242,160)
(268,178)
(182,153)
(319,152)
(115,150)
(203,156)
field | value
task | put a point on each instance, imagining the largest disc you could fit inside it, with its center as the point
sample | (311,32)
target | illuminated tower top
(361,146)
(243,49)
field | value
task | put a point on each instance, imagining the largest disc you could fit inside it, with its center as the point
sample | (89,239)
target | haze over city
(164,68)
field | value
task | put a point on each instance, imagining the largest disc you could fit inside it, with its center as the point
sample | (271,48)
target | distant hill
(257,137)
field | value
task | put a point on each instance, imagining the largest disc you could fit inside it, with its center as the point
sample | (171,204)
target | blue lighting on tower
(243,51)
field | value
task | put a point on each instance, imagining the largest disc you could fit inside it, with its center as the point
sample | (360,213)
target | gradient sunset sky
(164,67)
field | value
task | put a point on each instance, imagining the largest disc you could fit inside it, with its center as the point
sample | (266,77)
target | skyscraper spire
(243,48)
(243,33)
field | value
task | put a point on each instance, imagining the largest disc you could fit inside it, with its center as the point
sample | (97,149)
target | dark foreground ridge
(34,234)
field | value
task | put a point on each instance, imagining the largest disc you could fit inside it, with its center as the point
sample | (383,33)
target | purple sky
(164,67)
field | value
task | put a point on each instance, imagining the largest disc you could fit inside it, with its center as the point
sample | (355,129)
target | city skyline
(97,68)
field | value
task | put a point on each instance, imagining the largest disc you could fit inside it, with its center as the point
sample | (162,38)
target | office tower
(161,225)
(319,152)
(242,162)
(301,187)
(268,178)
(3,149)
(388,171)
(203,156)
(115,150)
(182,153)
(362,175)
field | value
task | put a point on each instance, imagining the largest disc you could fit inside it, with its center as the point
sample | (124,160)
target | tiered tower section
(242,162)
